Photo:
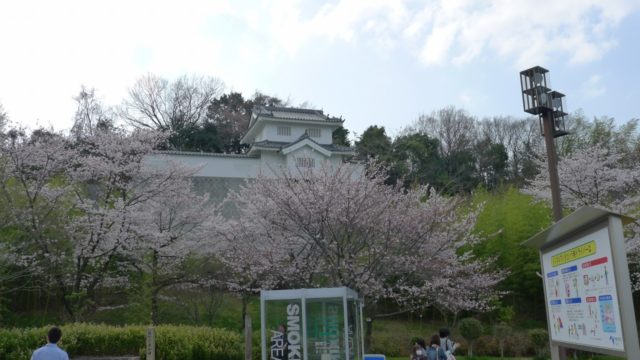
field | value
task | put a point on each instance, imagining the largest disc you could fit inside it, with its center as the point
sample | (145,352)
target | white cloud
(525,32)
(593,87)
(50,48)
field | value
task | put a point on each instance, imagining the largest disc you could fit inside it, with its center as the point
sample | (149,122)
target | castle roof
(291,113)
(280,145)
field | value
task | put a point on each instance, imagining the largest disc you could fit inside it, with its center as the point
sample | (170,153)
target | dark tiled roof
(195,153)
(279,145)
(296,113)
(289,113)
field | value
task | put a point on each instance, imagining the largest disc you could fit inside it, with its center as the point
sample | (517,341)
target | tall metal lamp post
(539,99)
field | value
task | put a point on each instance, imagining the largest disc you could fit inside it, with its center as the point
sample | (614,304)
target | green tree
(461,176)
(340,136)
(507,219)
(470,329)
(501,331)
(230,114)
(260,99)
(492,163)
(416,159)
(540,339)
(374,142)
(198,137)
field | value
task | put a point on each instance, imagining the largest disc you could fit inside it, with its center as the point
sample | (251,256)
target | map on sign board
(581,293)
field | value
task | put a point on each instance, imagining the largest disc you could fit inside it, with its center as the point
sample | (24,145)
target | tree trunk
(154,308)
(244,311)
(68,306)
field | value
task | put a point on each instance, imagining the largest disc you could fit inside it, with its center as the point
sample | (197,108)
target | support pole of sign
(361,306)
(345,327)
(263,327)
(151,343)
(247,337)
(303,300)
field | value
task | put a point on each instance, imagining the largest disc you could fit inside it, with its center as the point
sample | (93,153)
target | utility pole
(552,160)
(539,99)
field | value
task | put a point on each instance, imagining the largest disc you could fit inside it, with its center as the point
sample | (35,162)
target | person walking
(449,346)
(419,352)
(51,351)
(435,352)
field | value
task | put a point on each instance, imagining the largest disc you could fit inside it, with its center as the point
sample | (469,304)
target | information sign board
(581,293)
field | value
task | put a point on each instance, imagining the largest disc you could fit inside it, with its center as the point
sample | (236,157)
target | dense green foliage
(470,329)
(540,339)
(172,342)
(507,219)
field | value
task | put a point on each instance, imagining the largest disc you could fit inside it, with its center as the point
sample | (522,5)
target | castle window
(314,132)
(305,162)
(284,131)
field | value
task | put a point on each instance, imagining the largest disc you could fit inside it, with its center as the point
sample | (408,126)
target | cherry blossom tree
(600,176)
(84,205)
(110,181)
(34,193)
(340,227)
(594,176)
(170,229)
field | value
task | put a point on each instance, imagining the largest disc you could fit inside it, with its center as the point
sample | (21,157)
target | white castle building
(279,138)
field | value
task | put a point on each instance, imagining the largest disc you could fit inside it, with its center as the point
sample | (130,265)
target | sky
(373,62)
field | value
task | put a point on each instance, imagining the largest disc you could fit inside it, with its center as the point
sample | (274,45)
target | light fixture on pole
(539,99)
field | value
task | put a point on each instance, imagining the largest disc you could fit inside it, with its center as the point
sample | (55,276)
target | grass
(459,357)
(391,337)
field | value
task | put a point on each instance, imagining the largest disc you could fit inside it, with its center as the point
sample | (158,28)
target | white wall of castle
(270,132)
(224,166)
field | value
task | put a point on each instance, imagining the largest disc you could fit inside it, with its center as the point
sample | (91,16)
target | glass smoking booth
(311,324)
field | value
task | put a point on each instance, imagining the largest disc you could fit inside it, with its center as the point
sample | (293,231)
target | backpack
(436,354)
(448,345)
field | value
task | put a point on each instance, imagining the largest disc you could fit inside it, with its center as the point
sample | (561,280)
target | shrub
(486,345)
(172,342)
(470,329)
(539,338)
(197,343)
(501,332)
(518,344)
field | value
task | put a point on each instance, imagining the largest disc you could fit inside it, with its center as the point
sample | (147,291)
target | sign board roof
(581,218)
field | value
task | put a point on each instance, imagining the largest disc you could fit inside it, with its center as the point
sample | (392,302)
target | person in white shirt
(448,345)
(51,351)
